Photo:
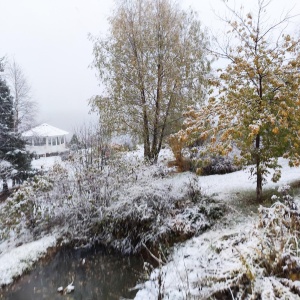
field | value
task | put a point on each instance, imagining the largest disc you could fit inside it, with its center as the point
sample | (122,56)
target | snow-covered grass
(45,163)
(190,263)
(226,185)
(255,259)
(20,259)
(250,261)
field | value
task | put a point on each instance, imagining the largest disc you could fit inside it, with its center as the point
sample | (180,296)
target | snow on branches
(252,261)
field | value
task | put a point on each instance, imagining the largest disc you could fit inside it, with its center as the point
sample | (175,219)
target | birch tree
(257,104)
(24,108)
(153,63)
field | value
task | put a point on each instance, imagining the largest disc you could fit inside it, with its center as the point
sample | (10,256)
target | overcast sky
(48,39)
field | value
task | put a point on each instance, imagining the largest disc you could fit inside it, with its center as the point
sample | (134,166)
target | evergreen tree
(6,117)
(74,143)
(12,147)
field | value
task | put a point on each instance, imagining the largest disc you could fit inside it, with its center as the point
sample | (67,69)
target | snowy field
(45,163)
(225,185)
(190,260)
(239,180)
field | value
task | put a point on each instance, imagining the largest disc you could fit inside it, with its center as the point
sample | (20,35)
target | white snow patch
(45,163)
(192,263)
(5,164)
(222,185)
(227,184)
(20,259)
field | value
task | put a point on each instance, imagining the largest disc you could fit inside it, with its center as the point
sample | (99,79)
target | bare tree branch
(25,109)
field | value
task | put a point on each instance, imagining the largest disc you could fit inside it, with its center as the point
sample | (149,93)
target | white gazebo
(45,140)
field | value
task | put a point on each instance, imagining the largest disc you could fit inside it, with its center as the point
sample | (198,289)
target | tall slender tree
(24,108)
(153,64)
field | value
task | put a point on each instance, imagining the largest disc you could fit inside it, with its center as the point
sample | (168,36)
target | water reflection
(96,274)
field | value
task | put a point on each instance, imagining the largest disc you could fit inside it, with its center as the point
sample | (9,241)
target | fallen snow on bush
(254,260)
(72,197)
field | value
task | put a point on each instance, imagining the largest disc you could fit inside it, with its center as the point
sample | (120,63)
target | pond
(95,275)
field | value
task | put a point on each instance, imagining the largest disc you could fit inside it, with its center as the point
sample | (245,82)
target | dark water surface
(102,276)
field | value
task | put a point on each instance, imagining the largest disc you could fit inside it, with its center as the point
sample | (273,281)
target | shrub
(270,269)
(177,146)
(261,262)
(215,165)
(151,220)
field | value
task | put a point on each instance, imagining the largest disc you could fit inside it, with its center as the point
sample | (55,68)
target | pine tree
(74,142)
(6,117)
(12,148)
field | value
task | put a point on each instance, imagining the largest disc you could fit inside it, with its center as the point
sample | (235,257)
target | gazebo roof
(44,130)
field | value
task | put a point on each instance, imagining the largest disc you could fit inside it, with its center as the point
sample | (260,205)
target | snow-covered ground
(16,261)
(189,259)
(224,185)
(19,254)
(45,163)
(191,263)
(219,260)
(205,264)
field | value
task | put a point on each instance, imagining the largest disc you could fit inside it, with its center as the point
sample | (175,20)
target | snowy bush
(123,204)
(271,265)
(70,197)
(153,217)
(192,159)
(30,207)
(215,165)
(259,261)
(279,249)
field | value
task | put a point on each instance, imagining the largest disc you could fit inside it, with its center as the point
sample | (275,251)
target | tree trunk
(141,81)
(155,150)
(4,186)
(259,178)
(258,185)
(146,138)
